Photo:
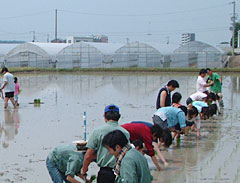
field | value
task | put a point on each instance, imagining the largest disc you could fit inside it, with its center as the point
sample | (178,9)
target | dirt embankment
(234,61)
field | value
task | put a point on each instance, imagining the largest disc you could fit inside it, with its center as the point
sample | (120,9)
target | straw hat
(81,145)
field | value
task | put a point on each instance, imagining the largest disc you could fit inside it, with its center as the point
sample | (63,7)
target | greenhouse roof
(51,48)
(164,49)
(106,48)
(5,48)
(197,46)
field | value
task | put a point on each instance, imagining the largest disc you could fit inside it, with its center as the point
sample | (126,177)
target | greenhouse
(137,54)
(42,55)
(4,49)
(197,54)
(87,55)
(166,51)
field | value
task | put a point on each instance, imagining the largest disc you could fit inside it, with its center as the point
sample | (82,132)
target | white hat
(80,142)
(81,145)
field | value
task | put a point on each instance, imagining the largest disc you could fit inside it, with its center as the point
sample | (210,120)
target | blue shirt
(143,122)
(199,105)
(174,116)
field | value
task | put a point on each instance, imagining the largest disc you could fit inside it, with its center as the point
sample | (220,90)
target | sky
(136,20)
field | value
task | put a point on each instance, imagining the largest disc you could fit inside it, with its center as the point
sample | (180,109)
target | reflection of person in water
(10,126)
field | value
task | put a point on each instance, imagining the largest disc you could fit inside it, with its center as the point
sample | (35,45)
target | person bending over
(131,166)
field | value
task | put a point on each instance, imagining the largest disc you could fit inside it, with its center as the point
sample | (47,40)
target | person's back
(10,87)
(65,156)
(134,168)
(140,131)
(199,105)
(174,116)
(104,159)
(217,87)
(198,96)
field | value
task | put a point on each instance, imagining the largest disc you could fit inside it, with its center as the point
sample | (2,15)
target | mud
(28,134)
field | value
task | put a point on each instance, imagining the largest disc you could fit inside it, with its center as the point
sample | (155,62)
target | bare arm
(160,154)
(154,159)
(72,180)
(5,84)
(210,84)
(163,98)
(87,160)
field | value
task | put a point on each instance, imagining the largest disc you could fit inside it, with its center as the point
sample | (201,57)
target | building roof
(44,49)
(164,49)
(51,48)
(196,46)
(106,48)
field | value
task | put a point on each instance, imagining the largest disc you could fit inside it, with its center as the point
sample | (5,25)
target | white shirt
(198,96)
(200,84)
(10,87)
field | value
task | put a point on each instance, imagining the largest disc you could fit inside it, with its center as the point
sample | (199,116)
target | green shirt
(134,168)
(104,159)
(67,159)
(217,87)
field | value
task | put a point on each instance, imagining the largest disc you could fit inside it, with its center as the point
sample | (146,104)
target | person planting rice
(131,165)
(198,96)
(165,140)
(105,161)
(169,117)
(65,162)
(139,131)
(204,110)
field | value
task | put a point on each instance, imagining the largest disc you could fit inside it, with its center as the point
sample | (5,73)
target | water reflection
(9,127)
(67,96)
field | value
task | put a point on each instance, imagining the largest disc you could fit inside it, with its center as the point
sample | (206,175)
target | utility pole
(56,25)
(34,37)
(233,26)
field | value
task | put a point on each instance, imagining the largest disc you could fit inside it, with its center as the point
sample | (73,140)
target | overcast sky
(138,20)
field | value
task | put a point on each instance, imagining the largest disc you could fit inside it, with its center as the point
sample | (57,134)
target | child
(176,98)
(138,144)
(17,91)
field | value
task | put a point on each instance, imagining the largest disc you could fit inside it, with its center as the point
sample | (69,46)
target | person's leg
(105,175)
(6,102)
(54,172)
(16,100)
(12,100)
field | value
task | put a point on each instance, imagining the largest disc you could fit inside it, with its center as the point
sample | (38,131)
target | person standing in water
(164,95)
(17,91)
(8,86)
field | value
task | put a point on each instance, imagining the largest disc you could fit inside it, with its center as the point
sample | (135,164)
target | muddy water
(28,134)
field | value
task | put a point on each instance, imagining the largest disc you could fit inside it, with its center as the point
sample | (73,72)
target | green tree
(237,28)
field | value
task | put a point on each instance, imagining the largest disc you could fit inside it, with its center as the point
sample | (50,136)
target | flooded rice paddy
(29,133)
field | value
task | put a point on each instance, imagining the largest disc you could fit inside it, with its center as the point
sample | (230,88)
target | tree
(237,28)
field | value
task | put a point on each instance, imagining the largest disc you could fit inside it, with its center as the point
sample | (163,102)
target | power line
(27,15)
(144,15)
